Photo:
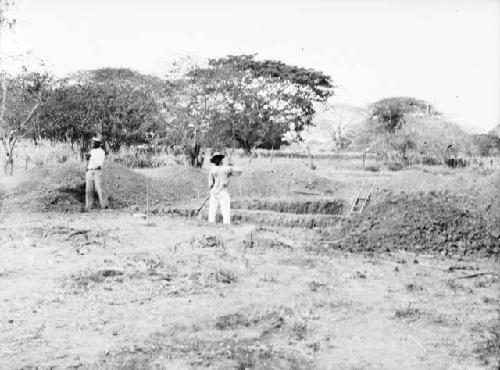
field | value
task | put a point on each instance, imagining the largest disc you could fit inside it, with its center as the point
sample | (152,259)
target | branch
(30,115)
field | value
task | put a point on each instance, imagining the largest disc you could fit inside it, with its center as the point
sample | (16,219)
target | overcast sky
(443,51)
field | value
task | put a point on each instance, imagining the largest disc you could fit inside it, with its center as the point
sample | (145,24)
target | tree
(6,19)
(22,95)
(486,144)
(391,112)
(257,102)
(121,105)
(189,111)
(495,131)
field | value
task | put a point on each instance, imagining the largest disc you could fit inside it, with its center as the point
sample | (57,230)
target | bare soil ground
(107,290)
(94,291)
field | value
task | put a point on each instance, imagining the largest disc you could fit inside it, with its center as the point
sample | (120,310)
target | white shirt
(218,177)
(97,157)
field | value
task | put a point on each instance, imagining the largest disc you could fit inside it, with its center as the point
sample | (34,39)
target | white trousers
(94,181)
(220,198)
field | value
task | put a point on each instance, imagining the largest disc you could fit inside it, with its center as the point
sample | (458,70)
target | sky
(442,51)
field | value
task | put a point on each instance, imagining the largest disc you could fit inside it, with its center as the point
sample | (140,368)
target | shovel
(202,205)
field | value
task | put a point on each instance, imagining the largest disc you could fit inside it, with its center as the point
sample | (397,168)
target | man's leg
(225,206)
(212,208)
(99,186)
(89,190)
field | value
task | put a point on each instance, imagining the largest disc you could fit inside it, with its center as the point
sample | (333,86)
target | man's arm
(235,171)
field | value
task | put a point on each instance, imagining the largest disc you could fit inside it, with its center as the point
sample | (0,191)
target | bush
(372,168)
(394,166)
(145,160)
(430,161)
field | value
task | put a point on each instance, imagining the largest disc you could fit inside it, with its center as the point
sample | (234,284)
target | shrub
(372,168)
(394,166)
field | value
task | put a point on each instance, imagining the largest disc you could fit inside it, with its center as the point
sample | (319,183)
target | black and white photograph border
(216,184)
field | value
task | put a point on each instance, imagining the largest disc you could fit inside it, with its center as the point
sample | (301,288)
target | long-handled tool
(202,205)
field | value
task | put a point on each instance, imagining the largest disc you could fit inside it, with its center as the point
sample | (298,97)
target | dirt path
(104,290)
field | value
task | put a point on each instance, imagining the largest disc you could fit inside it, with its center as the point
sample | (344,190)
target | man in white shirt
(218,180)
(93,178)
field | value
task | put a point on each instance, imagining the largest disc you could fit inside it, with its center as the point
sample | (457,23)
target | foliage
(20,94)
(487,144)
(495,131)
(6,20)
(188,112)
(21,97)
(427,138)
(119,104)
(257,102)
(393,111)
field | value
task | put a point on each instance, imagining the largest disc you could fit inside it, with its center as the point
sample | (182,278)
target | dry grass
(185,295)
(113,293)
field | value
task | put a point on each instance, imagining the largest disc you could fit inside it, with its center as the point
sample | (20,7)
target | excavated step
(294,205)
(270,218)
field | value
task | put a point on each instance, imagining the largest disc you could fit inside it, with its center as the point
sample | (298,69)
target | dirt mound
(61,188)
(429,222)
(283,180)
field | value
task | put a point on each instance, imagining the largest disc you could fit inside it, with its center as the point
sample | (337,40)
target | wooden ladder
(362,198)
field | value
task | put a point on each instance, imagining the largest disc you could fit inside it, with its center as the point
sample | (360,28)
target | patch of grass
(86,280)
(226,275)
(372,168)
(413,287)
(299,328)
(454,284)
(213,353)
(315,286)
(232,321)
(407,313)
(488,350)
(271,320)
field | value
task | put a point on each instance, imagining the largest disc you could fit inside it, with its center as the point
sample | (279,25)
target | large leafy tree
(256,102)
(119,104)
(188,111)
(392,112)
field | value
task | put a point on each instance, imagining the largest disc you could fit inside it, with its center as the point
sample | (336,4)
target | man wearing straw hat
(93,177)
(218,180)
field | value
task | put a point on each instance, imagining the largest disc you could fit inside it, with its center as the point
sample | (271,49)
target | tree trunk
(8,167)
(83,150)
(193,153)
(311,164)
(8,146)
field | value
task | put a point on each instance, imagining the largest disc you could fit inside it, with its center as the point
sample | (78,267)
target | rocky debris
(432,222)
